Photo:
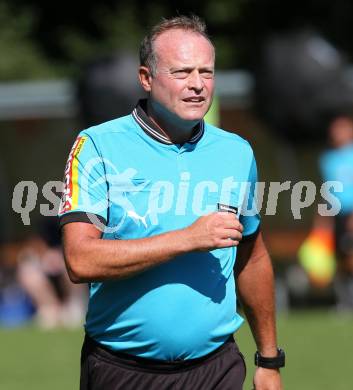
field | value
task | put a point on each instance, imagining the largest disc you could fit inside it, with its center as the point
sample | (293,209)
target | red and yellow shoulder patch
(71,189)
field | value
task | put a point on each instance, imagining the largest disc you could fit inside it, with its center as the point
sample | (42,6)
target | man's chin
(193,115)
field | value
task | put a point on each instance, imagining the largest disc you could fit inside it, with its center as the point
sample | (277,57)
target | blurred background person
(16,308)
(41,273)
(336,164)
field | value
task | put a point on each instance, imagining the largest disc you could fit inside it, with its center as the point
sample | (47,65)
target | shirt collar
(140,115)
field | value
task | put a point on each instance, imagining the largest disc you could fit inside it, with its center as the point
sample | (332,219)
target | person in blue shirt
(158,217)
(336,164)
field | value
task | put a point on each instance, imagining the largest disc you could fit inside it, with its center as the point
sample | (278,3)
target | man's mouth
(195,99)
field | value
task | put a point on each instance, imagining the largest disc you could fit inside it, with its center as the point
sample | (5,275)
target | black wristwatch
(271,362)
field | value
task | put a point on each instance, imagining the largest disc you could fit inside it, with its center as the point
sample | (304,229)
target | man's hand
(267,379)
(216,230)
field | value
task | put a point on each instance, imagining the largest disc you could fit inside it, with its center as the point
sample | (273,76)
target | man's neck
(177,130)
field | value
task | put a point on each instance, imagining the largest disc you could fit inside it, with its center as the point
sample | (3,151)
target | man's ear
(145,78)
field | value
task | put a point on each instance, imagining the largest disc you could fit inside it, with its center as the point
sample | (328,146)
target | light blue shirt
(141,187)
(337,165)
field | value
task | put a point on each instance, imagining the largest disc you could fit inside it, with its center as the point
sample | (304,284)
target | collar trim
(148,126)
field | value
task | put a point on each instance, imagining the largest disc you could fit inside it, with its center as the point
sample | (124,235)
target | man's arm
(90,258)
(255,285)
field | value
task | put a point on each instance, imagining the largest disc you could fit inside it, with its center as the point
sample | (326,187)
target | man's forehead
(180,44)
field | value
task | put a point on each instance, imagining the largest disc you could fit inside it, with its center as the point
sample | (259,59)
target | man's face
(184,79)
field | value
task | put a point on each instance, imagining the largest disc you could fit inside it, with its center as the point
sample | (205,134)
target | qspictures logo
(161,197)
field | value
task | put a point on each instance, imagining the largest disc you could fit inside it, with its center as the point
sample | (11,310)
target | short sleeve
(249,215)
(85,184)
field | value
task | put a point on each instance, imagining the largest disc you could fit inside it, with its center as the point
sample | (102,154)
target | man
(164,184)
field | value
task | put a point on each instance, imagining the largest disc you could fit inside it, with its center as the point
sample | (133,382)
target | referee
(154,219)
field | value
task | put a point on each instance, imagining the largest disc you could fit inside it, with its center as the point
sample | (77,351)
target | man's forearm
(94,259)
(90,258)
(255,284)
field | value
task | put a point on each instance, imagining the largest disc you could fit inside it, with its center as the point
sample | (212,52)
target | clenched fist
(216,230)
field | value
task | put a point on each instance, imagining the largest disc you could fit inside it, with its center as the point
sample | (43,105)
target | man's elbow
(76,270)
(77,238)
(75,277)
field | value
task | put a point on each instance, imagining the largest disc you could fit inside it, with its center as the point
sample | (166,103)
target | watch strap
(271,362)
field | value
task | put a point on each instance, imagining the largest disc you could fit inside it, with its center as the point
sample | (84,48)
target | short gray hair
(189,23)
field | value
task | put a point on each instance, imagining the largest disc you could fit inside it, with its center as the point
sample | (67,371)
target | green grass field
(319,349)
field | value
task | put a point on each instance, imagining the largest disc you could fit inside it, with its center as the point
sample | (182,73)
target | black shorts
(102,369)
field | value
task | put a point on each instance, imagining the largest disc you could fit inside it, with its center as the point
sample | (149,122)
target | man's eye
(180,74)
(207,74)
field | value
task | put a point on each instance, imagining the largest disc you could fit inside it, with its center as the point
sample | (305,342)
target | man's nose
(195,81)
